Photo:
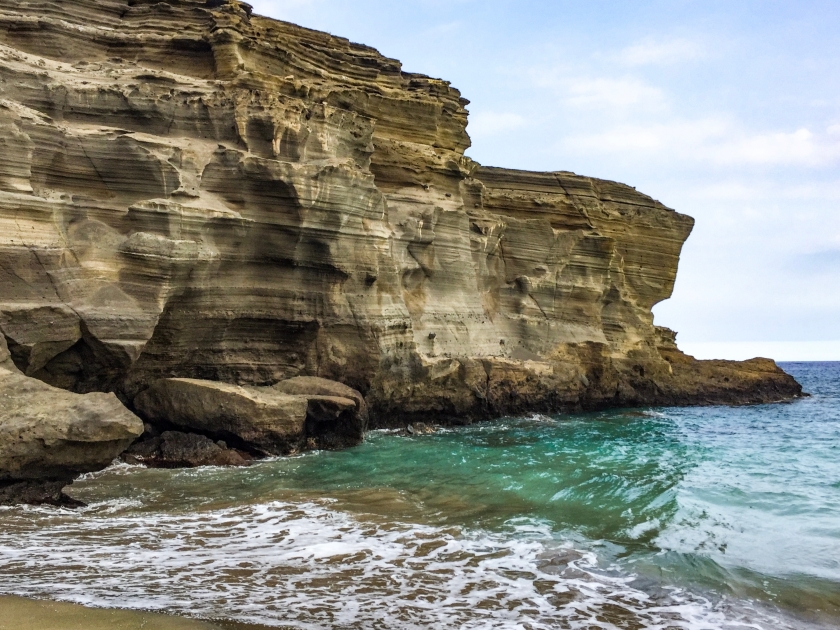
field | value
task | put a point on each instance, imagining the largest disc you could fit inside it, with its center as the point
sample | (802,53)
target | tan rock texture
(265,419)
(188,190)
(48,436)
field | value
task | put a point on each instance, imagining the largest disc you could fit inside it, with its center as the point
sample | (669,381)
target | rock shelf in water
(191,191)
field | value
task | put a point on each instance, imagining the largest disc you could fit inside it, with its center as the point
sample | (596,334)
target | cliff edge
(191,191)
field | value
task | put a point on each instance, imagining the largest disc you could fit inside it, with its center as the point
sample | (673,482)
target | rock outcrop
(191,191)
(175,449)
(263,419)
(48,436)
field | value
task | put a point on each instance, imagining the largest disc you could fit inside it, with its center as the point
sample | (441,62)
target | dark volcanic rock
(173,449)
(37,493)
(725,382)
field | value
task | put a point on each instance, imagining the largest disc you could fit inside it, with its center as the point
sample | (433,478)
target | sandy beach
(18,613)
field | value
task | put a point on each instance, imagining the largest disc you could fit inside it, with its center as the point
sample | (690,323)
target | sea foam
(309,565)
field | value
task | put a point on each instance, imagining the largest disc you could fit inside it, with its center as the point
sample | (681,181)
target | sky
(726,111)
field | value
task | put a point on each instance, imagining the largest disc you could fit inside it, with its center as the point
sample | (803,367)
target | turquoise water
(659,518)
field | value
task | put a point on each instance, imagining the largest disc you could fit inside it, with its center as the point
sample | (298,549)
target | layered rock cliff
(191,191)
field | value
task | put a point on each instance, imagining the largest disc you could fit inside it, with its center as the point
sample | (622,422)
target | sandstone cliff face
(188,190)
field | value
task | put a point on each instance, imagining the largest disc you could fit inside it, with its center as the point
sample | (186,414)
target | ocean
(663,518)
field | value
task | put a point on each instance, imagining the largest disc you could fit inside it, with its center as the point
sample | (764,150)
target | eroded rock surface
(191,191)
(48,436)
(261,418)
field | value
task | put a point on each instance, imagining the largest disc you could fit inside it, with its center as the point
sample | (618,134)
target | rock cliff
(190,191)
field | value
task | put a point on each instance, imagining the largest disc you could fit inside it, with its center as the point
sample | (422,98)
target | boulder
(262,419)
(49,436)
(315,386)
(328,402)
(37,493)
(173,449)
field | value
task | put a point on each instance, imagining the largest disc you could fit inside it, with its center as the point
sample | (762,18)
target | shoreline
(21,613)
(396,529)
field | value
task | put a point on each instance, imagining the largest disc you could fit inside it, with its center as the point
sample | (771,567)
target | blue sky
(727,111)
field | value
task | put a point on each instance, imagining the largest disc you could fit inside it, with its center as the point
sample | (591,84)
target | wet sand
(18,613)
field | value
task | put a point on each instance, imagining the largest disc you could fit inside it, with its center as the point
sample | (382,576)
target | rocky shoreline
(225,237)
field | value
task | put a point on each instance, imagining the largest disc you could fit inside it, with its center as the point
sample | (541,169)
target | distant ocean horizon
(780,351)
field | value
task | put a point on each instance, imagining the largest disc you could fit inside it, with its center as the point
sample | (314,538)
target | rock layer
(191,191)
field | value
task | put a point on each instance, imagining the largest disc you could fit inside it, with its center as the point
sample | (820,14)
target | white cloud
(651,52)
(764,191)
(783,148)
(443,29)
(492,123)
(627,115)
(717,141)
(629,139)
(291,10)
(616,94)
(606,94)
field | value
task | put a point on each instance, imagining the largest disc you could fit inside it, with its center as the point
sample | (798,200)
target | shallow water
(668,518)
